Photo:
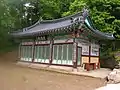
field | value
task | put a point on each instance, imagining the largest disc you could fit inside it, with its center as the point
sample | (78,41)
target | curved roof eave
(99,33)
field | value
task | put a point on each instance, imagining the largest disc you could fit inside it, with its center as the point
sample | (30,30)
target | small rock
(114,76)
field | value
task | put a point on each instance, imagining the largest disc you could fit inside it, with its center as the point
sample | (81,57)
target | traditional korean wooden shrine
(69,41)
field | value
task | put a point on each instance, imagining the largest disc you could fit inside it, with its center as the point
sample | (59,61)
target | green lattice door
(26,53)
(62,54)
(42,54)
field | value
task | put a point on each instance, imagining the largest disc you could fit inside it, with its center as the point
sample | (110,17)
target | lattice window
(94,49)
(42,54)
(62,54)
(26,53)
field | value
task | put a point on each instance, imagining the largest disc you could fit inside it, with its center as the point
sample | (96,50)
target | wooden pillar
(88,65)
(99,59)
(75,54)
(19,51)
(33,51)
(95,65)
(51,52)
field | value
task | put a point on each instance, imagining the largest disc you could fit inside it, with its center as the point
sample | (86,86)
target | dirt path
(13,77)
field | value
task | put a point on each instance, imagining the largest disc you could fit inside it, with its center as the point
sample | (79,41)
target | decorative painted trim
(26,59)
(63,41)
(41,60)
(41,42)
(27,43)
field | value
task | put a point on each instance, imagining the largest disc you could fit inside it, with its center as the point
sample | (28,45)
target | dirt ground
(13,77)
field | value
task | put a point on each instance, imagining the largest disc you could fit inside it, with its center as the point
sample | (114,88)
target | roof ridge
(63,18)
(83,13)
(53,21)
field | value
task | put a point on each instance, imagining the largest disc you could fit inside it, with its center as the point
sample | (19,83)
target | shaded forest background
(17,14)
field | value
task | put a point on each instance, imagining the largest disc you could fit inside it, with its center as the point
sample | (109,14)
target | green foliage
(116,55)
(49,9)
(52,9)
(104,13)
(4,23)
(15,14)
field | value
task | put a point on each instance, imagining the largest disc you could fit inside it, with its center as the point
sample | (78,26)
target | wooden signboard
(27,43)
(42,42)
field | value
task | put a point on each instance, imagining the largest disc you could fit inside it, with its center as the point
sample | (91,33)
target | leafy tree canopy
(104,13)
(18,14)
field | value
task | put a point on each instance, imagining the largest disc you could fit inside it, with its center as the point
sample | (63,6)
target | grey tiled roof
(50,26)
